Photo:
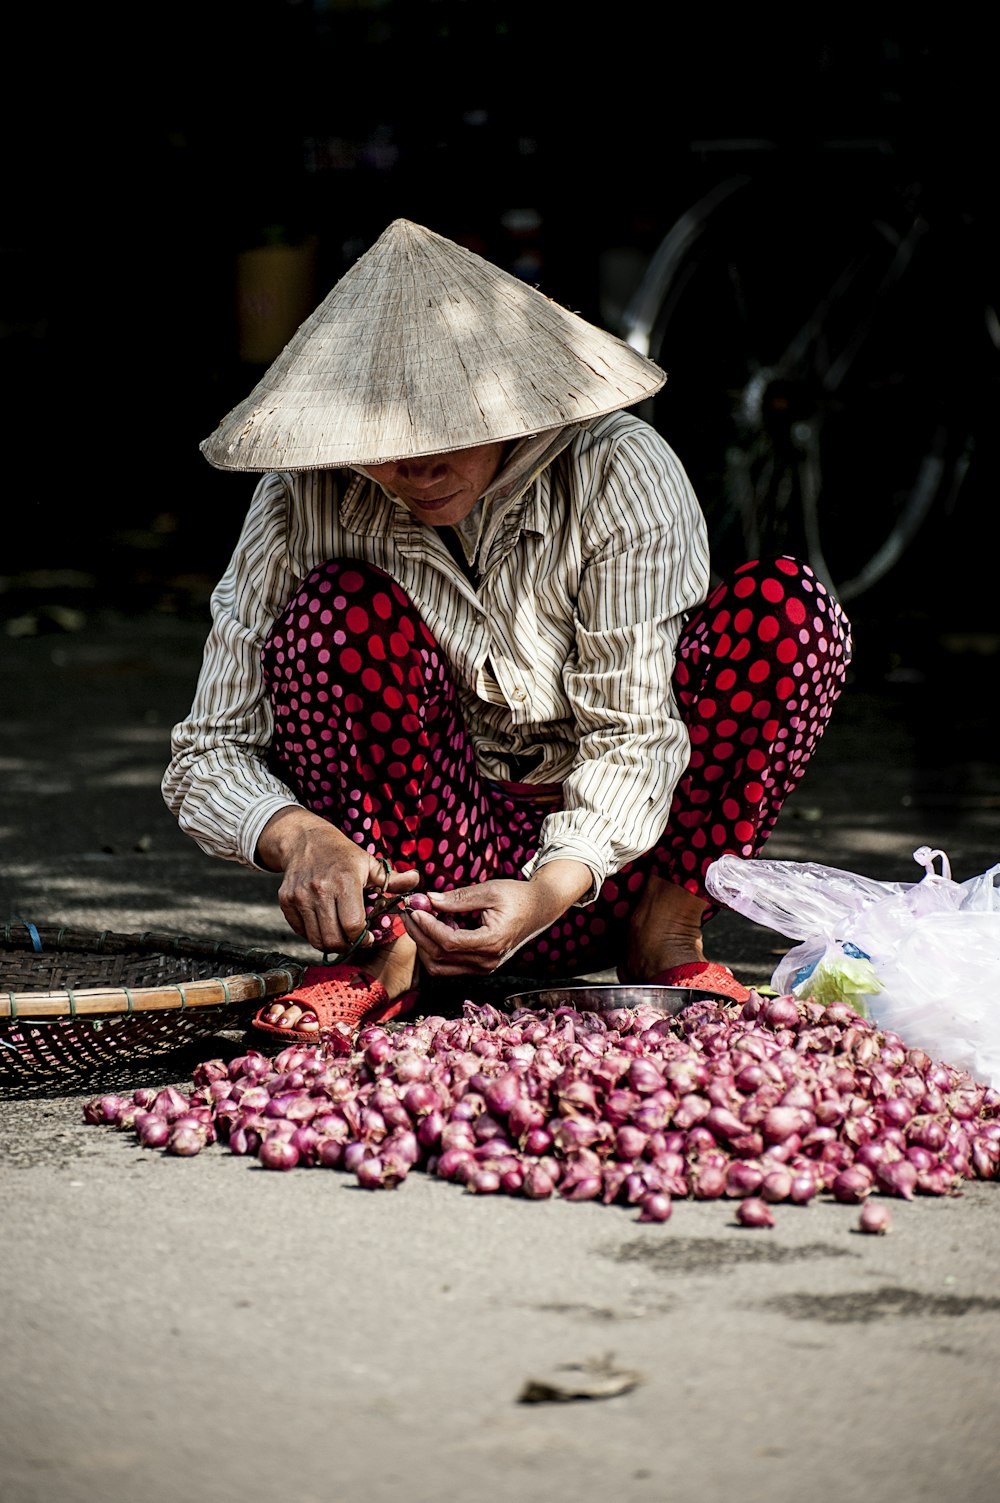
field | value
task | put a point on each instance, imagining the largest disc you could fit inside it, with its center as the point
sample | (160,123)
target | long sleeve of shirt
(565,652)
(217,783)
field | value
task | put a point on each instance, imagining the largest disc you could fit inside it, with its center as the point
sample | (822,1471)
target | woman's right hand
(325,876)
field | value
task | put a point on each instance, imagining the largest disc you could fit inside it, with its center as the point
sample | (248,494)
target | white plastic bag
(920,958)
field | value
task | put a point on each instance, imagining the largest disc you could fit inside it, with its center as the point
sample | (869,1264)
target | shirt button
(519,694)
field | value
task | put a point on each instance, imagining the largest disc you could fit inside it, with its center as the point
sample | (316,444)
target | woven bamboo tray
(74,1002)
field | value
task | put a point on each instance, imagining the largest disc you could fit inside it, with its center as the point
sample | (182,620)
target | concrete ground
(202,1328)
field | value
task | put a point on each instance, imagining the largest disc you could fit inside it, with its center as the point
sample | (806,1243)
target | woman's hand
(324,878)
(510,914)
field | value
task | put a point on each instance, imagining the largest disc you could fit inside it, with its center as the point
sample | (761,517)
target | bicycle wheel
(811,345)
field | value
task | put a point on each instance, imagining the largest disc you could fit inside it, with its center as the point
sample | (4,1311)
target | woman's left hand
(510,914)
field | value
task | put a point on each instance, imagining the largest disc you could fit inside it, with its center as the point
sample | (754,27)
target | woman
(467,644)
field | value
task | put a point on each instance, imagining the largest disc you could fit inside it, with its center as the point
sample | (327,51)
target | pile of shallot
(779,1101)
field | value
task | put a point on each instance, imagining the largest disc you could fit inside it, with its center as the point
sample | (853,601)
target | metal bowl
(606,998)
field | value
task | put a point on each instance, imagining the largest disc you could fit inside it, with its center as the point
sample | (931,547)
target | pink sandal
(704,976)
(336,994)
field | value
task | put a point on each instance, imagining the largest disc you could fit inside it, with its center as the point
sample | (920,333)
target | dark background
(152,155)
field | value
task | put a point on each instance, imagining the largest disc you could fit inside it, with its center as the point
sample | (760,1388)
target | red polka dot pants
(368,732)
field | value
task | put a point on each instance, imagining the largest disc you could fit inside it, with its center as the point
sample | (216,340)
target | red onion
(194,1121)
(630,1142)
(581,1186)
(724,1124)
(780,1122)
(329,1153)
(451,1159)
(750,1078)
(781,1153)
(409,1066)
(878,1151)
(985,1158)
(524,1116)
(539,1183)
(754,1212)
(503,1092)
(209,1070)
(468,1107)
(353,1153)
(874,1217)
(538,1142)
(459,1134)
(185,1140)
(487,1126)
(851,1186)
(803,1187)
(898,1178)
(256,1098)
(897,1111)
(691,1110)
(708,1182)
(776,1186)
(781,1012)
(154,1131)
(749,1145)
(772,1105)
(644,1076)
(685,1074)
(483,1181)
(277,1153)
(429,1129)
(305,1140)
(371,1174)
(939,1179)
(698,1144)
(245,1141)
(655,1207)
(743,1178)
(927,1132)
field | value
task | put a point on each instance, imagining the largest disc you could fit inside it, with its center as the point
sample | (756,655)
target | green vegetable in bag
(841,978)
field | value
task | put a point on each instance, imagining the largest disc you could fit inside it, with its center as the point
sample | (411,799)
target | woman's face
(441,489)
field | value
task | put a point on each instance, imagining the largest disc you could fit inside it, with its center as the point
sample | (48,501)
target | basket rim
(268,974)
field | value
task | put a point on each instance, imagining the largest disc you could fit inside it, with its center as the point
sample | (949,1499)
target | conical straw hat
(423,347)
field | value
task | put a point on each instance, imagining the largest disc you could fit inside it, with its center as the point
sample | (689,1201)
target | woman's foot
(394,965)
(665,931)
(665,936)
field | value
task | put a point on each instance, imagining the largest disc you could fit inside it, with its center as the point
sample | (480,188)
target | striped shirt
(565,651)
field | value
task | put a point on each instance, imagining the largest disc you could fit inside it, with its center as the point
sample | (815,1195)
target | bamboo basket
(75,1003)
